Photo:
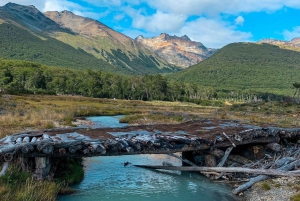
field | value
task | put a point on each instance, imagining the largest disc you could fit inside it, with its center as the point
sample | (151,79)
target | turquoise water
(107,121)
(107,179)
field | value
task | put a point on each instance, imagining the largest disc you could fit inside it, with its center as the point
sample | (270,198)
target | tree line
(28,77)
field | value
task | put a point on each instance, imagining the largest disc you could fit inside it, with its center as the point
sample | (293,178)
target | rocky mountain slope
(105,43)
(175,50)
(294,44)
(82,39)
(24,35)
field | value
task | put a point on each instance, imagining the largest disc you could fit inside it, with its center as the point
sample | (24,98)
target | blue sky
(215,23)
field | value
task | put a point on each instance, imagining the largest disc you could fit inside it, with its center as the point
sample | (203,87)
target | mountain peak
(185,37)
(140,37)
(17,6)
(28,16)
(181,51)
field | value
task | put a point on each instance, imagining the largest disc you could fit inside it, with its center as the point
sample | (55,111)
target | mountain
(259,67)
(69,40)
(24,35)
(105,43)
(294,44)
(180,51)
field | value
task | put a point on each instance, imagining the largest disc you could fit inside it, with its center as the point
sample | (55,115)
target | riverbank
(23,113)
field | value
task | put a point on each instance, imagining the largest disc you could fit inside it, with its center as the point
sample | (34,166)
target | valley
(58,69)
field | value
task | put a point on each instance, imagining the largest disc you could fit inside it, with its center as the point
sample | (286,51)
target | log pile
(283,161)
(34,144)
(216,153)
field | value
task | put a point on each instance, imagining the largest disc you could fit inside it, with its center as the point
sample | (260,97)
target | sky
(214,23)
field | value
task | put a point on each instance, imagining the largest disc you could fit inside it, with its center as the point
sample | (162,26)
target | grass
(265,186)
(296,197)
(18,113)
(18,185)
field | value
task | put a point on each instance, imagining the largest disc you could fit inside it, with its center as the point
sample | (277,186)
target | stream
(106,178)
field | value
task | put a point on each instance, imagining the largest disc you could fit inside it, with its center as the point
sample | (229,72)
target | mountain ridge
(293,44)
(112,49)
(181,51)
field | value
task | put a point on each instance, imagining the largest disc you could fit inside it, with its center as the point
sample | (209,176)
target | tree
(297,86)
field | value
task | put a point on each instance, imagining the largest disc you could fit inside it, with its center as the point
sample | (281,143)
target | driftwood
(227,152)
(264,177)
(229,139)
(272,172)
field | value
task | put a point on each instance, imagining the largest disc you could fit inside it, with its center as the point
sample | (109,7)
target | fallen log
(264,177)
(272,172)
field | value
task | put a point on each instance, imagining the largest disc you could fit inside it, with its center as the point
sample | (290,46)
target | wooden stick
(264,177)
(227,152)
(229,139)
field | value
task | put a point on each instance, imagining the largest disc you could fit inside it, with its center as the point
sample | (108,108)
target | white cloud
(239,20)
(289,35)
(158,22)
(113,3)
(60,5)
(213,33)
(215,7)
(119,17)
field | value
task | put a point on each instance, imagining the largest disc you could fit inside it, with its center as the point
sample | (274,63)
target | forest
(260,67)
(22,77)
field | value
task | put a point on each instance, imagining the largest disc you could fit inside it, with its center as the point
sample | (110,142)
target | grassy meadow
(30,112)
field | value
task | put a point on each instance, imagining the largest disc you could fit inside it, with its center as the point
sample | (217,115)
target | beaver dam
(222,150)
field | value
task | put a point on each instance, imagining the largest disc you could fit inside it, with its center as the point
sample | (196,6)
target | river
(106,178)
